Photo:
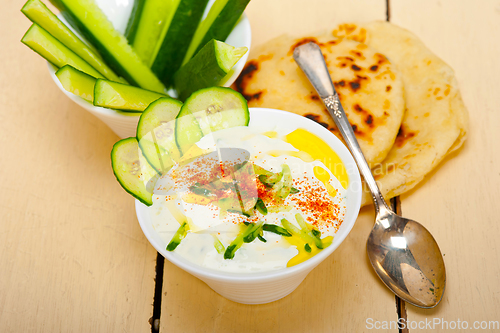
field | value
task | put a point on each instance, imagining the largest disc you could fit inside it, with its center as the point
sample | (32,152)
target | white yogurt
(206,222)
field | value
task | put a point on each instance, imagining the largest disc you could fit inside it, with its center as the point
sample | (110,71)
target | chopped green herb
(293,190)
(316,233)
(276,229)
(262,239)
(307,248)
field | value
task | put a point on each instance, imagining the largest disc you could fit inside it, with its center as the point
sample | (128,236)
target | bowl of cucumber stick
(114,58)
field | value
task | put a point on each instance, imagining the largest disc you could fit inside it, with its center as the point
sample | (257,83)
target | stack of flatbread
(402,101)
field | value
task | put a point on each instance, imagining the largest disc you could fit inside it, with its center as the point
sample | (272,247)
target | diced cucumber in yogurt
(178,236)
(239,240)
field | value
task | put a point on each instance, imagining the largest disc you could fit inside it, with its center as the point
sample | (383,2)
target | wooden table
(72,255)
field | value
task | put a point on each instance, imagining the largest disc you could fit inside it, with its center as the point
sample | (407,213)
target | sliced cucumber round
(132,170)
(156,133)
(209,110)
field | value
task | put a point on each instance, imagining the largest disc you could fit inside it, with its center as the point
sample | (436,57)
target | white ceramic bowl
(124,124)
(264,287)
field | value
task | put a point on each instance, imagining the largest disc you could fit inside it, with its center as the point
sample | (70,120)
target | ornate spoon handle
(311,61)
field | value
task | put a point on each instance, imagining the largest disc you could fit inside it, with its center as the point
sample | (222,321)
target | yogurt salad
(251,199)
(229,191)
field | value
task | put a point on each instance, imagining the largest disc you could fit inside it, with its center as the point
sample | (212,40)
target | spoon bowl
(407,259)
(402,252)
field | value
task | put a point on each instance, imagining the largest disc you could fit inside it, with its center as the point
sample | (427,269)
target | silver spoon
(402,252)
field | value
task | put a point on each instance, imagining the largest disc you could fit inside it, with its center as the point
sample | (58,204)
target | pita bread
(368,85)
(435,122)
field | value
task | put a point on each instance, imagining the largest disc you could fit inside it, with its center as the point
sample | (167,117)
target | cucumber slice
(92,23)
(207,67)
(176,36)
(208,110)
(134,20)
(154,16)
(38,13)
(121,96)
(132,170)
(43,43)
(220,21)
(77,82)
(155,133)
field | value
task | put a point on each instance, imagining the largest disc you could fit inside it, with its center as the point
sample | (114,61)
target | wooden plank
(458,202)
(270,19)
(72,255)
(341,293)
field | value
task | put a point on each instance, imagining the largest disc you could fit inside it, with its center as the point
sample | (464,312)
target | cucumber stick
(93,24)
(43,43)
(121,96)
(77,82)
(134,19)
(207,67)
(38,13)
(207,110)
(175,38)
(155,133)
(132,170)
(144,32)
(220,21)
